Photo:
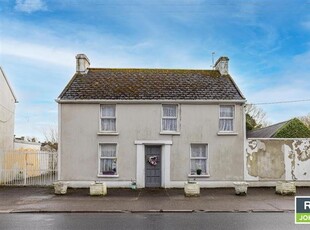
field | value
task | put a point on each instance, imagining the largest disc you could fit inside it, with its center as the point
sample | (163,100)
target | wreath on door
(153,160)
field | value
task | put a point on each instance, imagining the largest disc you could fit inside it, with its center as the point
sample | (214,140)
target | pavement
(43,199)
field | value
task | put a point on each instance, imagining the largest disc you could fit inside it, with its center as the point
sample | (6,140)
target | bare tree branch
(51,138)
(305,120)
(258,114)
(51,134)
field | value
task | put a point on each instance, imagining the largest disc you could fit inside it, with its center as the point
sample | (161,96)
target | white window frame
(206,158)
(100,157)
(226,118)
(102,117)
(177,119)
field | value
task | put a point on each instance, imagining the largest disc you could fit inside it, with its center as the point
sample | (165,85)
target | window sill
(199,176)
(107,134)
(108,176)
(169,133)
(227,134)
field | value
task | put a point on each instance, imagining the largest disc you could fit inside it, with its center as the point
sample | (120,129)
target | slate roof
(151,84)
(267,132)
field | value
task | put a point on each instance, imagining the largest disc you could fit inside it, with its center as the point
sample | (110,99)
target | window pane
(108,111)
(226,124)
(199,164)
(108,124)
(108,150)
(108,166)
(227,111)
(170,124)
(198,151)
(169,110)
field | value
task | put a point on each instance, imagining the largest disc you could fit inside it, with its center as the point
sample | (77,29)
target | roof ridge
(160,69)
(284,125)
(270,126)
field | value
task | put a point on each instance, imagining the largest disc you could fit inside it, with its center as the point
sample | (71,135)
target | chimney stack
(222,65)
(82,63)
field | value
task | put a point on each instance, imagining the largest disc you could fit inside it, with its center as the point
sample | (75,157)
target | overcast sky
(267,42)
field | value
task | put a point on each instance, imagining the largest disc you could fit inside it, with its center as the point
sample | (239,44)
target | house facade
(157,127)
(7,117)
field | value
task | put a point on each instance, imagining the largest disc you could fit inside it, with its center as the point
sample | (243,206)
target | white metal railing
(29,168)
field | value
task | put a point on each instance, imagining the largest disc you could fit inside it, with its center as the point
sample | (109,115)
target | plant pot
(60,187)
(191,188)
(198,171)
(285,188)
(98,189)
(241,188)
(133,185)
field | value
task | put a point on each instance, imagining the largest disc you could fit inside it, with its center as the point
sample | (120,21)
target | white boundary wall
(269,160)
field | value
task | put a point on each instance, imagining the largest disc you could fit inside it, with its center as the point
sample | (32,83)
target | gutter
(98,101)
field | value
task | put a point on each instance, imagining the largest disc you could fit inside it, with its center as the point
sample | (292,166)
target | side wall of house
(199,123)
(7,115)
(270,160)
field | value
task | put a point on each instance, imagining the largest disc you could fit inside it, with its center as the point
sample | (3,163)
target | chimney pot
(82,63)
(222,65)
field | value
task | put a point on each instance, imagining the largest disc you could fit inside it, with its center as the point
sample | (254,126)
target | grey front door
(152,166)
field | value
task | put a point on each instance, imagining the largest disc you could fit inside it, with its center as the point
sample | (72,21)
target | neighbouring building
(292,128)
(7,117)
(26,144)
(158,127)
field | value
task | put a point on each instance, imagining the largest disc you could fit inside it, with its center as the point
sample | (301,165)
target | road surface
(126,221)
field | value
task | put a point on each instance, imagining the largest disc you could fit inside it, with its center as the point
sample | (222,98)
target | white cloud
(40,53)
(30,6)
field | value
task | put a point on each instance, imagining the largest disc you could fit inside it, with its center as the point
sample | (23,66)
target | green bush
(293,129)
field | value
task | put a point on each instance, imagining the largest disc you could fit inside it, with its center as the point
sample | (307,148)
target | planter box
(60,187)
(241,188)
(191,189)
(285,188)
(98,189)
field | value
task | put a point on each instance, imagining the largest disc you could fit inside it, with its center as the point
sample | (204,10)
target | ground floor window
(198,158)
(107,159)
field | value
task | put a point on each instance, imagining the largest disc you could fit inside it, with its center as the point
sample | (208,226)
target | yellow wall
(18,161)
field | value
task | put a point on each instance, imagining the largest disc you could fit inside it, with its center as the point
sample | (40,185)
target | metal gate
(29,168)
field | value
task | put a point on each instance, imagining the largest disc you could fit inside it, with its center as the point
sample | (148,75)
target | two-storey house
(158,127)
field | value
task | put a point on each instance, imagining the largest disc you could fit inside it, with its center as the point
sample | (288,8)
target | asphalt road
(150,221)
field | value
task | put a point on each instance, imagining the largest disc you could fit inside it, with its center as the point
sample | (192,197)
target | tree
(250,122)
(255,117)
(305,120)
(51,138)
(294,128)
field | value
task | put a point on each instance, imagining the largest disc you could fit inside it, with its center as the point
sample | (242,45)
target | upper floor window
(108,118)
(170,118)
(227,113)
